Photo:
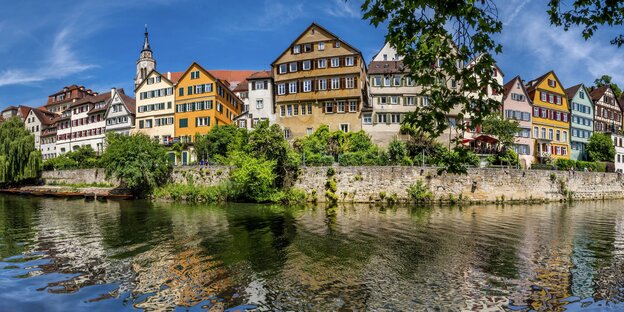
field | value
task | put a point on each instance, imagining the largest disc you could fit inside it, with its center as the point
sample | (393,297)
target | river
(72,255)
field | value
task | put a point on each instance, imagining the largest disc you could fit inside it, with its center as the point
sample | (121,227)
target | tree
(397,152)
(605,80)
(600,147)
(19,160)
(268,142)
(440,39)
(504,129)
(216,144)
(589,14)
(137,161)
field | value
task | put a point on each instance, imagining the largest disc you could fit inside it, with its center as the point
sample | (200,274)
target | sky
(46,45)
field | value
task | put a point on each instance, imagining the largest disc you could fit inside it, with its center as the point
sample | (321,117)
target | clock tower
(146,62)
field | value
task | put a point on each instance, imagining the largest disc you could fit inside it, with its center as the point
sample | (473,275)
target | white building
(36,121)
(121,112)
(83,123)
(154,106)
(258,102)
(618,141)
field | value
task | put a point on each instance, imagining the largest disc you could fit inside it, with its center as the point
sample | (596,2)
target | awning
(487,139)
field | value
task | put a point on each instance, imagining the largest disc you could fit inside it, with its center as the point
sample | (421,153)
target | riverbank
(69,191)
(375,184)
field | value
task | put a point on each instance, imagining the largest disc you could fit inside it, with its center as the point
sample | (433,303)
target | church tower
(146,62)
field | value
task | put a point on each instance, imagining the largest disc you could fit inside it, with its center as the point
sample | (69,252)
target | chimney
(168,75)
(113,90)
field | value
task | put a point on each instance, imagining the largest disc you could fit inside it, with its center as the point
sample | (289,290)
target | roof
(261,75)
(9,108)
(175,77)
(323,29)
(242,87)
(385,67)
(509,85)
(94,98)
(23,110)
(532,85)
(46,118)
(571,92)
(129,101)
(233,77)
(597,93)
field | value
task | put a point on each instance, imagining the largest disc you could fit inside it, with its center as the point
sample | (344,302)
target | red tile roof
(233,77)
(45,117)
(175,76)
(386,67)
(597,93)
(242,87)
(261,75)
(571,92)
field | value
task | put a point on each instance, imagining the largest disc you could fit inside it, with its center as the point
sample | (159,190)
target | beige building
(319,79)
(155,106)
(392,93)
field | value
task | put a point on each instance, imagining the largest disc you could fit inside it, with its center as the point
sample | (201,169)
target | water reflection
(129,255)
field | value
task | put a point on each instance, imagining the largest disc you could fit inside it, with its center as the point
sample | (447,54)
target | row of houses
(319,79)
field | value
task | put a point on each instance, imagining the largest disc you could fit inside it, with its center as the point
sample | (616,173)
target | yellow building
(202,102)
(551,118)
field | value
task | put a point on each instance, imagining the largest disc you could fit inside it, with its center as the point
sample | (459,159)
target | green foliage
(268,142)
(419,192)
(567,164)
(589,14)
(600,147)
(252,178)
(81,158)
(137,161)
(323,147)
(19,160)
(502,128)
(215,145)
(193,192)
(606,80)
(397,151)
(506,157)
(457,161)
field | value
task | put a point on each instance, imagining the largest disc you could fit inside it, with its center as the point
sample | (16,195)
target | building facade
(155,110)
(518,106)
(83,124)
(551,118)
(60,101)
(259,101)
(392,94)
(319,79)
(607,110)
(202,102)
(581,121)
(38,120)
(618,142)
(120,113)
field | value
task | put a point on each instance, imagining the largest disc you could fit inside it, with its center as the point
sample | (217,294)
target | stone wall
(365,184)
(78,176)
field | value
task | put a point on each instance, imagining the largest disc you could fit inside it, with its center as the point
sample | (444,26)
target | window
(329,107)
(394,100)
(321,46)
(335,62)
(281,89)
(283,68)
(550,134)
(377,81)
(181,92)
(565,136)
(425,101)
(282,110)
(337,44)
(341,106)
(395,118)
(259,85)
(582,95)
(202,121)
(558,135)
(307,85)
(352,106)
(259,103)
(296,109)
(349,61)
(350,82)
(344,127)
(296,49)
(195,74)
(288,110)
(322,84)
(292,87)
(543,133)
(287,133)
(543,96)
(322,63)
(397,80)
(387,81)
(381,118)
(335,83)
(383,100)
(307,65)
(309,109)
(552,83)
(367,119)
(183,123)
(410,101)
(293,67)
(309,131)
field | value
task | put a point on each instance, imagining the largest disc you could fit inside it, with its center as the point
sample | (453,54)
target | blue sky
(45,45)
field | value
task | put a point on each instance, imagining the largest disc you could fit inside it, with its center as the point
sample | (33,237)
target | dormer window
(552,83)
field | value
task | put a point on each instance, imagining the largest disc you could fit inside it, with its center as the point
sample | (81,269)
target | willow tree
(19,160)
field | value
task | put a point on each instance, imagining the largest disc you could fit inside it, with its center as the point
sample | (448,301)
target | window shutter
(355,82)
(355,61)
(312,88)
(342,83)
(323,107)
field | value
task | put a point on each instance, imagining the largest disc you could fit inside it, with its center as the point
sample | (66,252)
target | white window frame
(292,67)
(350,83)
(283,68)
(344,127)
(335,83)
(308,63)
(281,88)
(322,84)
(335,62)
(322,63)
(349,61)
(292,87)
(259,103)
(307,85)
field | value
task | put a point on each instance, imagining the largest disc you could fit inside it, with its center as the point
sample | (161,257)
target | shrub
(419,192)
(253,178)
(397,151)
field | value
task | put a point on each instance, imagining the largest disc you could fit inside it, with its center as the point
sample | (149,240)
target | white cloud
(516,7)
(343,8)
(60,62)
(274,15)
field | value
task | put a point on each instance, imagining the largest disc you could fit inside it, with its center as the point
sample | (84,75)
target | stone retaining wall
(366,184)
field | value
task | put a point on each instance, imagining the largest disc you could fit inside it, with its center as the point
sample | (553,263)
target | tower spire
(146,45)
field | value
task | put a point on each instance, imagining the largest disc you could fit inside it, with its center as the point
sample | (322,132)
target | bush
(253,178)
(504,158)
(600,147)
(319,160)
(397,151)
(419,192)
(457,161)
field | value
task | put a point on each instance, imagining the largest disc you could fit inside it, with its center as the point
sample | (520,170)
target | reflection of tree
(17,224)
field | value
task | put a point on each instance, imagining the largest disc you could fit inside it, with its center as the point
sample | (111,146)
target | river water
(72,255)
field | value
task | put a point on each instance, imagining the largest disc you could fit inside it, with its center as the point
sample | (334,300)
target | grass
(221,193)
(81,185)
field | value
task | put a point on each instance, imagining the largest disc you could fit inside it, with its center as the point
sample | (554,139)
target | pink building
(517,105)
